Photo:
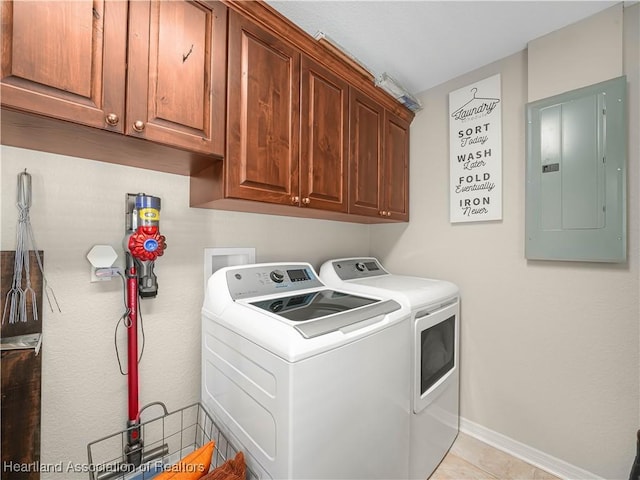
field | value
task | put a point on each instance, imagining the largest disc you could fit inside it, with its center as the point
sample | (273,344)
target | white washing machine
(435,313)
(311,382)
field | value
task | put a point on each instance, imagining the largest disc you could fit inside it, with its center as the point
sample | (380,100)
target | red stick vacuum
(143,244)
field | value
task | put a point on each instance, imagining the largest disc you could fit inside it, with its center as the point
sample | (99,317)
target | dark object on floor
(635,468)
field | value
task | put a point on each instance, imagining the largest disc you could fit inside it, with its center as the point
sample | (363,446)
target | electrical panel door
(576,175)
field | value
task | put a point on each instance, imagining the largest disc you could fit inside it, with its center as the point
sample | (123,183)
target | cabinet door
(176,77)
(366,120)
(65,59)
(263,115)
(324,138)
(396,167)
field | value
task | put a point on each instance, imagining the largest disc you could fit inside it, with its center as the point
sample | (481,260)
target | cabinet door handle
(388,214)
(138,126)
(295,200)
(306,200)
(382,213)
(112,119)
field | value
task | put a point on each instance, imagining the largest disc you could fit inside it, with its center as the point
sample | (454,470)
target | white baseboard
(535,457)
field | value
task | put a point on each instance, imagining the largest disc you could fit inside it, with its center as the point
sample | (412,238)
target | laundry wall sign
(475,150)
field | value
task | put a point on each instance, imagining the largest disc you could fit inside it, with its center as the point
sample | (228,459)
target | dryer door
(435,352)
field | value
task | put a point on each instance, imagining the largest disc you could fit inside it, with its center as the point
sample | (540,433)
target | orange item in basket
(232,469)
(191,467)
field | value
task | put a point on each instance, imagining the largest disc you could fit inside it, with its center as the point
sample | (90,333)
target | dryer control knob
(360,267)
(277,276)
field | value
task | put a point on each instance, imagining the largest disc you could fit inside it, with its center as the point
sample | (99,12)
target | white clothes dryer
(311,381)
(435,313)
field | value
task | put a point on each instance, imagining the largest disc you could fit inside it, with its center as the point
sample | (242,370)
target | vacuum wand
(133,449)
(142,244)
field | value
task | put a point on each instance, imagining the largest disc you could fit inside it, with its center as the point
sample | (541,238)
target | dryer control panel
(353,268)
(267,279)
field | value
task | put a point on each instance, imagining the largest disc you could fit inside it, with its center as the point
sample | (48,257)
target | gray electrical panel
(576,202)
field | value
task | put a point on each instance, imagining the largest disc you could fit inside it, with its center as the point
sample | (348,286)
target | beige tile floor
(470,459)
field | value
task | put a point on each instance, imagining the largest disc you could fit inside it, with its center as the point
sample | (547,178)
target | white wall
(576,56)
(78,203)
(549,350)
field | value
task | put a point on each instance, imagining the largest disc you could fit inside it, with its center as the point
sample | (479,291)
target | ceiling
(424,43)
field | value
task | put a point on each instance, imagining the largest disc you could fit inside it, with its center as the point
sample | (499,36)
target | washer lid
(309,305)
(329,310)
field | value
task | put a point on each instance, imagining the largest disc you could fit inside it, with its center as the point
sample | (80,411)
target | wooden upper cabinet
(263,115)
(366,121)
(176,76)
(200,80)
(65,59)
(379,160)
(324,138)
(68,60)
(396,167)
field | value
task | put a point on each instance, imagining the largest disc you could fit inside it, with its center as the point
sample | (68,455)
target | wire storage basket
(167,439)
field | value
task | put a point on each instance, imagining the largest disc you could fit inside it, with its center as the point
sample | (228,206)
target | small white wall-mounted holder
(102,258)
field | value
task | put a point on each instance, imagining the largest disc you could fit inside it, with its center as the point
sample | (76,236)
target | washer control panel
(352,268)
(267,279)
